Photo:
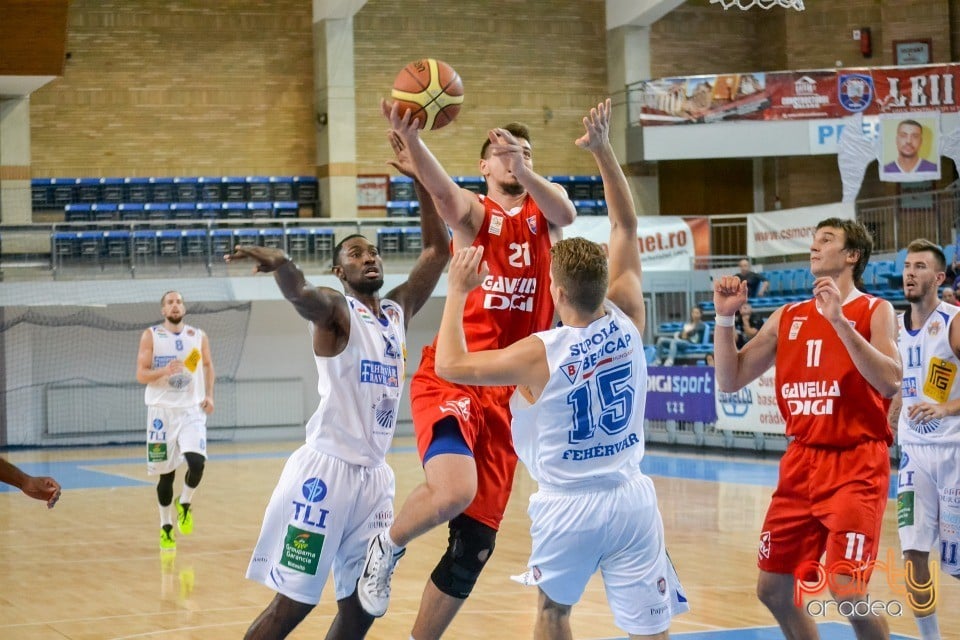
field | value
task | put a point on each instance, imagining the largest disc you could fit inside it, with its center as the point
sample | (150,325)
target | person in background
(38,487)
(948,295)
(175,365)
(747,324)
(693,332)
(757,283)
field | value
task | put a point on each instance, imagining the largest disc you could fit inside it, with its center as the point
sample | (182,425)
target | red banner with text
(796,95)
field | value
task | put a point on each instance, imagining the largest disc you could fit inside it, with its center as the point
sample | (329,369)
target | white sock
(929,627)
(166,515)
(186,496)
(386,535)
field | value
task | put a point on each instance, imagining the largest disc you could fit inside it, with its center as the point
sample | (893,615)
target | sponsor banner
(825,134)
(753,408)
(667,243)
(797,95)
(681,393)
(789,231)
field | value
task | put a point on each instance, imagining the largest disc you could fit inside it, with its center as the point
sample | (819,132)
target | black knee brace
(194,469)
(469,547)
(165,488)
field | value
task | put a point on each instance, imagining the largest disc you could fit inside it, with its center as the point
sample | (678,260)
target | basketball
(431,89)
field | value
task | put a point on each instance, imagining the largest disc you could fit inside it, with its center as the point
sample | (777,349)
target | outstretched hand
(466,272)
(597,128)
(503,143)
(42,488)
(729,294)
(268,259)
(402,161)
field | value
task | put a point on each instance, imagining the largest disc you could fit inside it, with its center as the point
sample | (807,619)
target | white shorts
(171,432)
(928,501)
(616,530)
(321,515)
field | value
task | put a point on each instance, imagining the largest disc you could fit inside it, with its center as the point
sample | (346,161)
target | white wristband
(724,321)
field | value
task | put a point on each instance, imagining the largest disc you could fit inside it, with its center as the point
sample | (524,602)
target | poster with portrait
(910,146)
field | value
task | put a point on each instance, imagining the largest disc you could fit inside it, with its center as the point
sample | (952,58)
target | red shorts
(826,500)
(484,417)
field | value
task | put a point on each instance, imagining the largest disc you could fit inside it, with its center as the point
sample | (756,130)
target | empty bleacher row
(158,211)
(586,192)
(225,193)
(145,245)
(883,278)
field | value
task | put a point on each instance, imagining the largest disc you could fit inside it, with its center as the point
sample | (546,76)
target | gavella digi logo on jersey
(814,398)
(503,292)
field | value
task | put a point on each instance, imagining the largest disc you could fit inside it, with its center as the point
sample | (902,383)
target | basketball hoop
(763,4)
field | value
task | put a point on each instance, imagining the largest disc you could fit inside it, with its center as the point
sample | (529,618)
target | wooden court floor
(90,569)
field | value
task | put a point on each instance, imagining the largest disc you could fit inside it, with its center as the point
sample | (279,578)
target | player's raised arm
(524,362)
(626,275)
(735,369)
(459,208)
(323,306)
(435,254)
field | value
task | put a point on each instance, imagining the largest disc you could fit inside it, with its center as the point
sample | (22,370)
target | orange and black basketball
(431,89)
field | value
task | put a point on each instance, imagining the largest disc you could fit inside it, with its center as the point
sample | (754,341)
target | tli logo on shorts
(314,490)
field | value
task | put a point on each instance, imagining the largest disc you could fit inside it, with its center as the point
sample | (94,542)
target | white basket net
(763,4)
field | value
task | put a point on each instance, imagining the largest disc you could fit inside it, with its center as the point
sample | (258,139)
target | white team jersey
(587,425)
(184,389)
(360,388)
(929,375)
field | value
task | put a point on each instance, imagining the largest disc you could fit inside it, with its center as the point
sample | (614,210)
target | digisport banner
(667,243)
(790,231)
(792,95)
(681,393)
(753,408)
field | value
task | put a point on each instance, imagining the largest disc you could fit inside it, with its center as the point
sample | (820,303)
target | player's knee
(195,465)
(771,592)
(552,612)
(469,548)
(165,488)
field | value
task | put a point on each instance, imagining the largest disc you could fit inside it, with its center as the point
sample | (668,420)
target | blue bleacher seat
(144,244)
(272,237)
(157,210)
(234,188)
(775,278)
(195,243)
(401,189)
(949,252)
(78,212)
(322,241)
(895,276)
(258,189)
(260,209)
(116,244)
(305,189)
(136,190)
(247,236)
(111,190)
(221,242)
(233,210)
(286,209)
(388,240)
(183,210)
(586,207)
(186,189)
(281,187)
(411,239)
(475,184)
(211,188)
(169,243)
(39,193)
(208,210)
(104,212)
(88,190)
(161,189)
(402,208)
(63,246)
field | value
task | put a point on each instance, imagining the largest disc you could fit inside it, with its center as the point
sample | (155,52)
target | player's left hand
(926,411)
(268,258)
(207,405)
(827,294)
(466,272)
(597,127)
(402,161)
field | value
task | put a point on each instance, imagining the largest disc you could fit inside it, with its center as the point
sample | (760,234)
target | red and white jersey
(514,300)
(824,398)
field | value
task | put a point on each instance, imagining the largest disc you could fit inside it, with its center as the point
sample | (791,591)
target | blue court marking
(76,474)
(828,631)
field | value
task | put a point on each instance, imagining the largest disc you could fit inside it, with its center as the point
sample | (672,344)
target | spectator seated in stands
(757,283)
(693,332)
(948,295)
(747,324)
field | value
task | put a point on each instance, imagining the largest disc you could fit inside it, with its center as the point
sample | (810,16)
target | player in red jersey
(463,432)
(837,365)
